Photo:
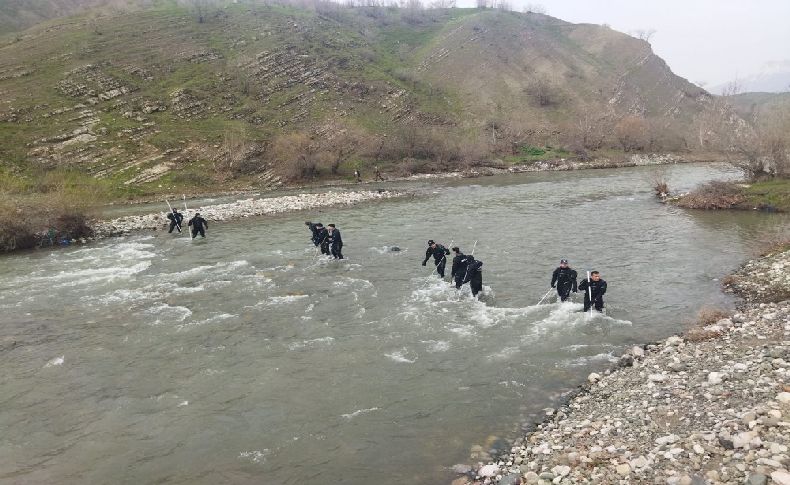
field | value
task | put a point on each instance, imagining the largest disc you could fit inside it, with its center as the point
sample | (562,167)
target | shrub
(532,151)
(713,195)
(632,133)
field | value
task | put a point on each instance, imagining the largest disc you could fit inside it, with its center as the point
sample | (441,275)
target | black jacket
(459,266)
(198,222)
(474,268)
(598,288)
(319,234)
(334,237)
(562,276)
(176,217)
(438,253)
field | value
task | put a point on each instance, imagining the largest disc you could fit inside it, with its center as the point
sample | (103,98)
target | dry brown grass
(705,317)
(713,195)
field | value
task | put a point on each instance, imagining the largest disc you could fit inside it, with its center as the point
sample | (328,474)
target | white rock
(699,449)
(592,378)
(624,469)
(488,471)
(657,377)
(783,397)
(670,438)
(638,351)
(742,440)
(674,341)
(781,477)
(561,470)
(715,378)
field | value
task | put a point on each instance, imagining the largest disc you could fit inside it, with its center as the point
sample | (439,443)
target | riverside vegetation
(144,98)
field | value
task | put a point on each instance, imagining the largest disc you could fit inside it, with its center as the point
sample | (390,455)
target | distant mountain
(155,96)
(773,78)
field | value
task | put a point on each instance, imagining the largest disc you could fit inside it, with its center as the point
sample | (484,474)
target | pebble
(711,411)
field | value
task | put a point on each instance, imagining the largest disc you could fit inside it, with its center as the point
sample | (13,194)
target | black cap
(563,261)
(456,249)
(431,241)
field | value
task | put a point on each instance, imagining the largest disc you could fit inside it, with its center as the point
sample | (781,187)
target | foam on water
(403,355)
(311,343)
(213,319)
(284,300)
(434,346)
(255,456)
(56,361)
(587,360)
(359,412)
(169,313)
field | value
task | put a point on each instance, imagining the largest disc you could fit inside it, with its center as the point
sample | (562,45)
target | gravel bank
(710,407)
(240,209)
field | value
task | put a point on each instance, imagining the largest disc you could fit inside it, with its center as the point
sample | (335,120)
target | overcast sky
(713,41)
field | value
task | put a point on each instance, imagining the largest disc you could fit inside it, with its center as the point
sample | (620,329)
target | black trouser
(174,225)
(198,230)
(325,247)
(459,282)
(476,282)
(564,290)
(337,251)
(440,266)
(597,303)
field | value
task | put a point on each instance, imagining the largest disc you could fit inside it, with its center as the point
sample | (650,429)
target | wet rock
(462,469)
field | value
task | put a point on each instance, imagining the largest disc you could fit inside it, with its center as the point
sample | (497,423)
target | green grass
(531,154)
(773,193)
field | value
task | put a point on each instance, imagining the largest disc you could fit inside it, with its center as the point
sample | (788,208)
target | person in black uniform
(199,226)
(335,241)
(564,279)
(474,274)
(320,236)
(175,220)
(596,287)
(458,269)
(439,254)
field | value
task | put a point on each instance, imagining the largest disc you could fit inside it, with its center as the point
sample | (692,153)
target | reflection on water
(246,359)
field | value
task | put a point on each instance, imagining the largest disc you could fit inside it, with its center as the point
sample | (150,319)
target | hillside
(153,98)
(747,105)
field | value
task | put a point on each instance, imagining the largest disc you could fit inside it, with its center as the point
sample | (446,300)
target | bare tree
(644,34)
(544,92)
(535,8)
(632,133)
(481,3)
(200,9)
(504,5)
(443,4)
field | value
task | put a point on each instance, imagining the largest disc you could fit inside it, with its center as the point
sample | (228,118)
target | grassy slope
(773,193)
(268,70)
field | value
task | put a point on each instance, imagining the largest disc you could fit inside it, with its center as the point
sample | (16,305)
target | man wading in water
(564,279)
(198,225)
(439,254)
(335,241)
(593,291)
(175,220)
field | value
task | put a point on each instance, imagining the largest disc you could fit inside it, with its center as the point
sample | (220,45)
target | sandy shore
(709,407)
(240,209)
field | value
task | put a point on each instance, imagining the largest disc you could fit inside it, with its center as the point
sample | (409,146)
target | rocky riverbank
(709,407)
(240,209)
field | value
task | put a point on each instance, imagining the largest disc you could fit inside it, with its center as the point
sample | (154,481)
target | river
(245,359)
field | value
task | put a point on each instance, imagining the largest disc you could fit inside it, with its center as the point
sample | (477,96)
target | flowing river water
(245,359)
